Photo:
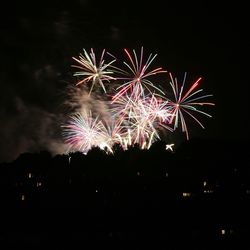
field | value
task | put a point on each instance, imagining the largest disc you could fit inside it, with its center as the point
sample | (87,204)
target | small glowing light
(204,183)
(169,147)
(96,190)
(186,194)
(138,173)
(29,175)
(208,191)
(166,174)
(39,184)
(23,197)
(223,231)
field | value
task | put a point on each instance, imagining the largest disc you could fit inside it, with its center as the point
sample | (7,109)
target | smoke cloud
(29,129)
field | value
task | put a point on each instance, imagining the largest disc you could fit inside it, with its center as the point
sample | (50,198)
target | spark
(169,147)
(136,79)
(84,132)
(186,103)
(92,71)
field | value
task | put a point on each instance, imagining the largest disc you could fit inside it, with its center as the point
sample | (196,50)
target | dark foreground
(197,198)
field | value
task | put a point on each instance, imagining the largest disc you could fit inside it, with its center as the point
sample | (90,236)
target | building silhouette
(199,193)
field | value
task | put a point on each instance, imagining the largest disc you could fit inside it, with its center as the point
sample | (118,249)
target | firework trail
(92,71)
(131,114)
(186,103)
(84,132)
(136,79)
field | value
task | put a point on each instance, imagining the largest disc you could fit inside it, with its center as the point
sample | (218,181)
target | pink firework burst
(136,78)
(84,132)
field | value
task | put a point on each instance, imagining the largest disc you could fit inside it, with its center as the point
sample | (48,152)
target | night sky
(39,39)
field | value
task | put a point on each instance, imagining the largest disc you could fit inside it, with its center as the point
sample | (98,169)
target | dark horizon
(214,148)
(187,198)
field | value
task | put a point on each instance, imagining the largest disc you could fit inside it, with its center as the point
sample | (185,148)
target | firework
(93,71)
(135,112)
(136,79)
(186,103)
(84,132)
(169,147)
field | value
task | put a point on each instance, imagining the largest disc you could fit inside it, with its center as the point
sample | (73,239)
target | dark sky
(39,39)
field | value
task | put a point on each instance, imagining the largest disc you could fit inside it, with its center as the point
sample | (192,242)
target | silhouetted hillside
(199,192)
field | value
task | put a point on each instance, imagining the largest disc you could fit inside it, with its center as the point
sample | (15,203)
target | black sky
(39,39)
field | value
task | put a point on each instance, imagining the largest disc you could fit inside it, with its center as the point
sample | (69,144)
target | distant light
(204,183)
(23,197)
(223,231)
(186,194)
(39,184)
(29,175)
(138,173)
(209,191)
(166,174)
(96,190)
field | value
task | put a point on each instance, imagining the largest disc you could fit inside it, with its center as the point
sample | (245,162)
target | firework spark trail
(84,132)
(93,71)
(137,110)
(137,77)
(141,124)
(141,117)
(184,103)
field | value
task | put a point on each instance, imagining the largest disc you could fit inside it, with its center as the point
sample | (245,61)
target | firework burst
(135,112)
(186,103)
(84,132)
(93,71)
(136,78)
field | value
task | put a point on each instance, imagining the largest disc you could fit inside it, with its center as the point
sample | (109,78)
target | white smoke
(29,129)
